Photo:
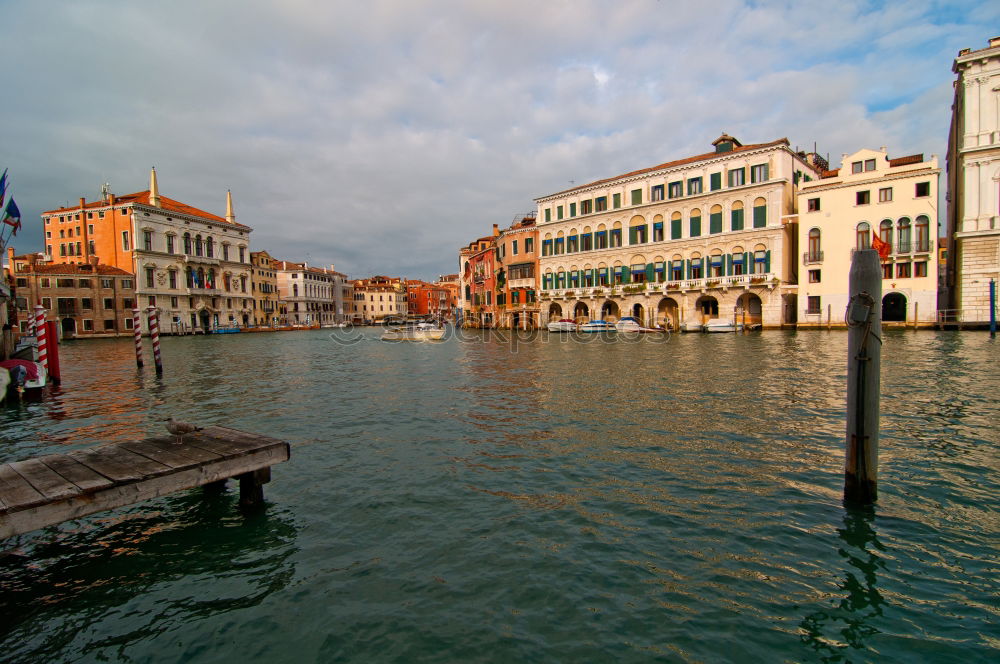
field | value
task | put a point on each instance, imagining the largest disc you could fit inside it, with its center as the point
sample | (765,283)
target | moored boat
(720,325)
(597,326)
(562,325)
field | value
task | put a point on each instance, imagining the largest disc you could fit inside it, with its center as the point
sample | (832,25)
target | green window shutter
(715,181)
(625,274)
(760,216)
(637,197)
(548,214)
(715,222)
(632,235)
(616,200)
(737,219)
(729,265)
(675,229)
(767,261)
(687,268)
(695,226)
(650,272)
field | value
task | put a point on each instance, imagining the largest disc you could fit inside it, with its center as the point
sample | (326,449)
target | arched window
(815,255)
(211,278)
(885,232)
(694,223)
(187,243)
(189,276)
(904,234)
(863,236)
(227,282)
(760,213)
(197,245)
(675,226)
(295,290)
(209,247)
(715,219)
(736,216)
(923,240)
(225,252)
(201,278)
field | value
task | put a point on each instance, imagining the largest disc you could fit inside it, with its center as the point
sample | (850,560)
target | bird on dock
(180,429)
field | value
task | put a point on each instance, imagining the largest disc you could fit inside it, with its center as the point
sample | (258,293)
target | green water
(481,501)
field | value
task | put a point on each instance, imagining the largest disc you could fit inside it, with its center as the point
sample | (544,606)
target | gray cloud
(381,136)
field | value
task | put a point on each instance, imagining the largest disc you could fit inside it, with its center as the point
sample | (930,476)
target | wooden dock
(47,490)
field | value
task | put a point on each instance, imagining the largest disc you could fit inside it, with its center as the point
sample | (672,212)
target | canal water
(483,500)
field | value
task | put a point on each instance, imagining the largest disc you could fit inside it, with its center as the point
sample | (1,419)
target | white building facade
(974,183)
(708,236)
(870,195)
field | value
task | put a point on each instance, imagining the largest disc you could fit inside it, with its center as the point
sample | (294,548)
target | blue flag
(3,186)
(12,216)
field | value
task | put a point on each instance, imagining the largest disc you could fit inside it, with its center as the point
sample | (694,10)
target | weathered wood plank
(76,472)
(46,481)
(119,495)
(119,464)
(225,447)
(16,491)
(170,453)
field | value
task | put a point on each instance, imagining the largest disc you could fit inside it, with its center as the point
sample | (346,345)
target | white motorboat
(418,332)
(632,324)
(24,374)
(691,326)
(597,326)
(720,325)
(562,325)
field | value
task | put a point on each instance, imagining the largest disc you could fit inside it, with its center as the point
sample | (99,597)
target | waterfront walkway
(47,490)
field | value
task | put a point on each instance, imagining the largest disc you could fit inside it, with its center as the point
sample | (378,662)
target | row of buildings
(760,232)
(106,257)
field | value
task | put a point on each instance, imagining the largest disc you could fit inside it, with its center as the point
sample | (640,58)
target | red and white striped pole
(42,338)
(137,331)
(154,335)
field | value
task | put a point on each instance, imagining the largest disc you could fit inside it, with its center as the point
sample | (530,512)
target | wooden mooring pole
(864,357)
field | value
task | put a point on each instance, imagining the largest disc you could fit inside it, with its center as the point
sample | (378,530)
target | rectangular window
(47,302)
(812,205)
(616,200)
(513,247)
(759,216)
(814,276)
(656,194)
(172,276)
(107,283)
(695,226)
(601,203)
(572,244)
(737,177)
(902,270)
(715,181)
(125,242)
(923,189)
(856,167)
(170,244)
(586,207)
(126,283)
(88,325)
(601,240)
(45,282)
(637,197)
(109,324)
(813,305)
(715,222)
(559,212)
(616,237)
(109,303)
(128,323)
(90,229)
(920,269)
(885,195)
(759,173)
(676,189)
(887,270)
(86,303)
(147,240)
(529,245)
(694,186)
(149,277)
(548,214)
(869,164)
(572,210)
(736,219)
(862,198)
(64,283)
(658,231)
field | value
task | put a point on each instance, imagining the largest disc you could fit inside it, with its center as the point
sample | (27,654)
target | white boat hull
(413,335)
(561,326)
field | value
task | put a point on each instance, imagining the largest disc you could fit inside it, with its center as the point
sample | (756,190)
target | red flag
(883,248)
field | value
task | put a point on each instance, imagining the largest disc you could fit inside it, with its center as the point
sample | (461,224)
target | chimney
(496,230)
(10,258)
(154,190)
(994,41)
(111,199)
(94,261)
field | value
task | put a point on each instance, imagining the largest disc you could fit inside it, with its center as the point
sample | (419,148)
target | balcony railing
(68,309)
(812,257)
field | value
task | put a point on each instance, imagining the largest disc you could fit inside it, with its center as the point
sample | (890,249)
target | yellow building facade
(870,195)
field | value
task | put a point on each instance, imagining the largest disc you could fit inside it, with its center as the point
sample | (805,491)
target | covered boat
(562,325)
(597,326)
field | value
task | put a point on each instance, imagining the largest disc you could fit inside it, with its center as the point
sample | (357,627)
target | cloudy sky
(382,135)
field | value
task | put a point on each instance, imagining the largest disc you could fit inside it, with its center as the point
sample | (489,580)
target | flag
(12,216)
(883,248)
(3,185)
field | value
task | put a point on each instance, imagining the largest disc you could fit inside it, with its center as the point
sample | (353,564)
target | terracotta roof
(142,198)
(75,269)
(906,161)
(830,174)
(670,164)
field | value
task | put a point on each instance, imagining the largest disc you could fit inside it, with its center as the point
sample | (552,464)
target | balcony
(67,309)
(914,247)
(210,292)
(528,282)
(812,257)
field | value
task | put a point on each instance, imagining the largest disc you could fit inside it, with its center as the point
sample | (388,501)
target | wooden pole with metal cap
(864,356)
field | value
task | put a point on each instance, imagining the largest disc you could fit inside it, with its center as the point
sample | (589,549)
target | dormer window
(862,166)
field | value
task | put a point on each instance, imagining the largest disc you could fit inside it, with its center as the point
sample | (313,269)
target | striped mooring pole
(137,331)
(41,336)
(154,335)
